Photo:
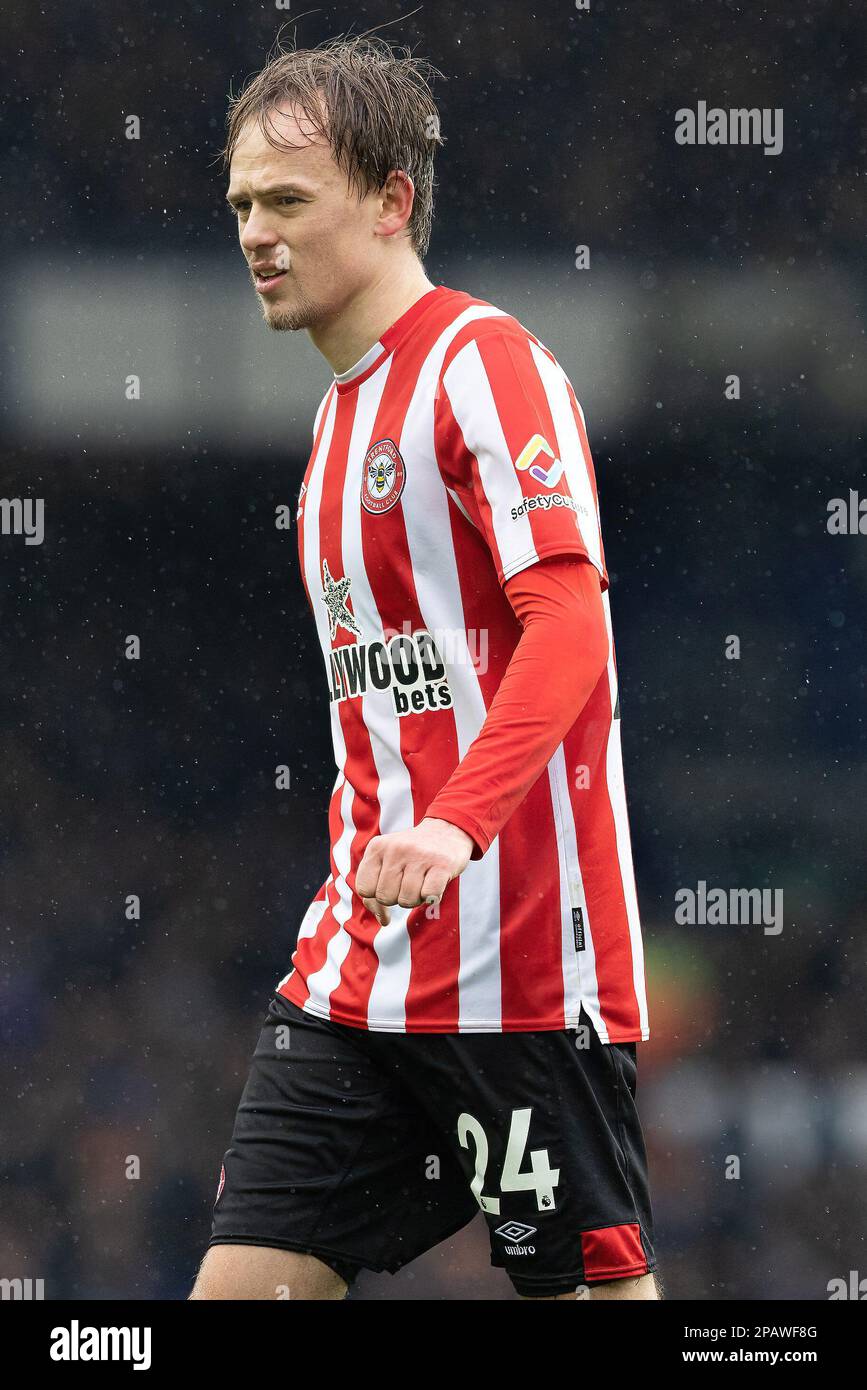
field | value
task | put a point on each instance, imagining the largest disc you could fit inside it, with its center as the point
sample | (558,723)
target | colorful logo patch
(531,451)
(382,478)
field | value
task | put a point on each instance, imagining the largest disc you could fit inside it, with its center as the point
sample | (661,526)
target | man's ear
(397,198)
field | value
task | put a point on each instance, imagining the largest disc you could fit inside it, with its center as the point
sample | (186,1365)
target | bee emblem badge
(382,477)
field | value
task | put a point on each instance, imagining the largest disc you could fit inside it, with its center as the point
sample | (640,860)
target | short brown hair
(373,103)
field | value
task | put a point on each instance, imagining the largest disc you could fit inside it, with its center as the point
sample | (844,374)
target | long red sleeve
(559,605)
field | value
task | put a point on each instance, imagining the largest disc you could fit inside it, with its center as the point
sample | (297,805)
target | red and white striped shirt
(451,457)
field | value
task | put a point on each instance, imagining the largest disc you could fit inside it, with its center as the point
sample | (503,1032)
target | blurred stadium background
(156,777)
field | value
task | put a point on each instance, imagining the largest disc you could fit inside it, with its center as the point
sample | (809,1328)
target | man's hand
(411,867)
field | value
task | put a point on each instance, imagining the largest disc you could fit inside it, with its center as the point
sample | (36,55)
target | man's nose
(257,233)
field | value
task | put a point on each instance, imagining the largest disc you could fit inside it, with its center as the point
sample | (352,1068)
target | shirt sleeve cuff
(441,810)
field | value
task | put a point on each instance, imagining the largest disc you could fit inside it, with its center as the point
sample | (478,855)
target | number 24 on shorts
(541,1178)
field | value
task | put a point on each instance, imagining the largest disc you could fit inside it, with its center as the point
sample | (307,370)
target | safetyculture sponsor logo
(528,462)
(543,503)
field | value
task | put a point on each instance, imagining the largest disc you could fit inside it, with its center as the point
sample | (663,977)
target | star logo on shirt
(334,595)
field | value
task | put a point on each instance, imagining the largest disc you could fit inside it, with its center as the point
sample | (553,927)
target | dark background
(156,777)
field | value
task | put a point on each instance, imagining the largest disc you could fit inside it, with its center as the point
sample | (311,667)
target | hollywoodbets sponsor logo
(409,666)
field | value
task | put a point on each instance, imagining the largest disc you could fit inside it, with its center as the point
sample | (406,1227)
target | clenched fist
(411,867)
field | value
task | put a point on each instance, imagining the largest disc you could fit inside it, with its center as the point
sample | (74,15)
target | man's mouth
(268,280)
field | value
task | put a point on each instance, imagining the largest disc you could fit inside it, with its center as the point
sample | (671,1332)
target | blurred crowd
(560,122)
(126,1031)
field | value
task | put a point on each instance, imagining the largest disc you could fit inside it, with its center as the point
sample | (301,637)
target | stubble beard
(300,315)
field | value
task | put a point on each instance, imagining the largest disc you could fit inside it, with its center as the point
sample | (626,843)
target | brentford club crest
(382,478)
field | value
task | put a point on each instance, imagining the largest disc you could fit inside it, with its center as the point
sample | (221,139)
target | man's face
(307,239)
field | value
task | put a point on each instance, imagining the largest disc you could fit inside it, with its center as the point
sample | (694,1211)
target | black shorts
(367,1149)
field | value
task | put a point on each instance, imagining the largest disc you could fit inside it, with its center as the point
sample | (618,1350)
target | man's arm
(559,605)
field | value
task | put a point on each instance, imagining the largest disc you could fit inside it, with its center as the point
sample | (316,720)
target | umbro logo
(515,1231)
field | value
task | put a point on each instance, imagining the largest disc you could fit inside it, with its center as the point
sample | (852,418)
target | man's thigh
(547,1132)
(330,1156)
(256,1272)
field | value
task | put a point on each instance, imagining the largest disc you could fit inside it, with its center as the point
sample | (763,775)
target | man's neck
(344,339)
